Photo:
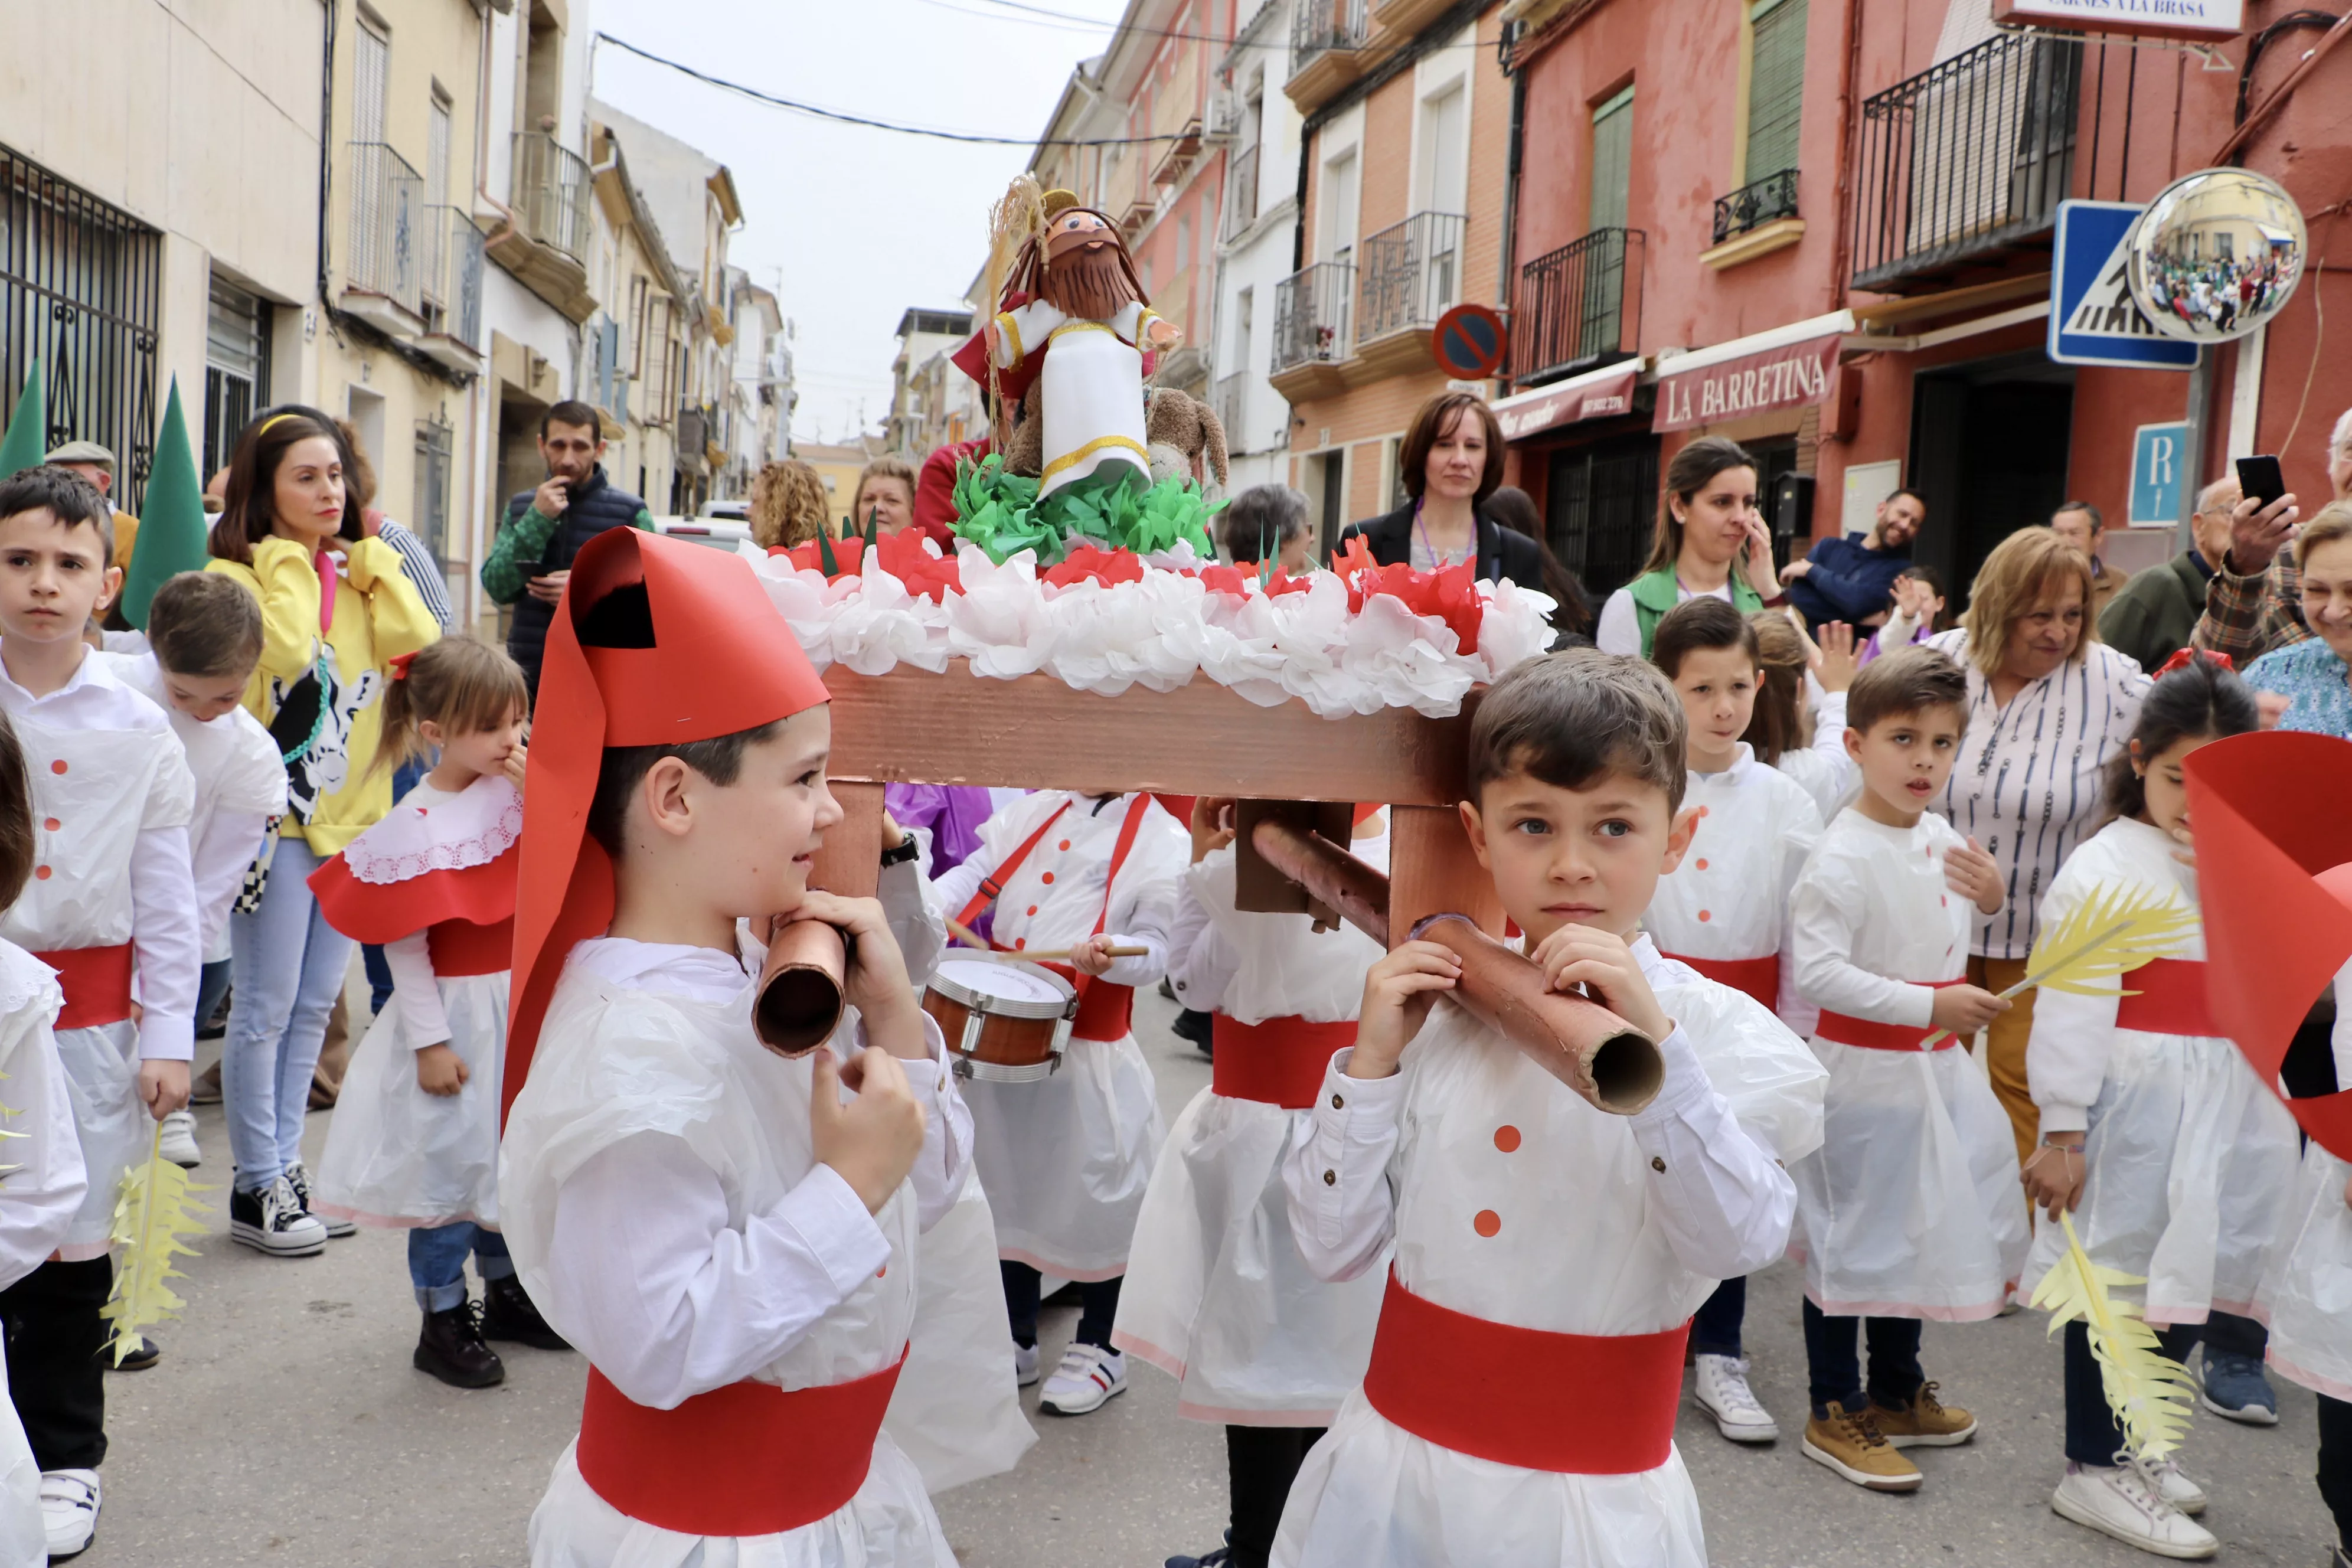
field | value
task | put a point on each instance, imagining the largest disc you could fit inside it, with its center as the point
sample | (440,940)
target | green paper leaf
(172,537)
(28,441)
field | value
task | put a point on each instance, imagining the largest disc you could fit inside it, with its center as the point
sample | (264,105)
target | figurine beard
(1089,285)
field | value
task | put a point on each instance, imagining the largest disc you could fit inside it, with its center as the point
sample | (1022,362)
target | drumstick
(966,935)
(972,939)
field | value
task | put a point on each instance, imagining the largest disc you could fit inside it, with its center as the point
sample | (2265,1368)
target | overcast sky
(850,226)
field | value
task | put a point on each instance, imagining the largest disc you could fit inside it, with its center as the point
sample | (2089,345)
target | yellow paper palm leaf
(152,1211)
(2150,1392)
(2110,933)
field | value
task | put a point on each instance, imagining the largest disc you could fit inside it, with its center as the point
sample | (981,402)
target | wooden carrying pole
(1604,1060)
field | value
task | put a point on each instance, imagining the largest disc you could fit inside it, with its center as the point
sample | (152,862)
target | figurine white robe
(1093,386)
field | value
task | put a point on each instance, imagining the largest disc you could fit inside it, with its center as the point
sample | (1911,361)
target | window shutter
(1776,86)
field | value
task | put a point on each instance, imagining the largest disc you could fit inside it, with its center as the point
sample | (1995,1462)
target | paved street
(285,1426)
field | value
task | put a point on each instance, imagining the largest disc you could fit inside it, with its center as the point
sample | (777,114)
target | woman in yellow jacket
(335,616)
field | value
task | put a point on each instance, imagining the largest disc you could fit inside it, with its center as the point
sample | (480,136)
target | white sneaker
(180,1140)
(300,1180)
(1720,1386)
(2124,1502)
(69,1510)
(272,1221)
(2173,1485)
(1084,1381)
(1025,1365)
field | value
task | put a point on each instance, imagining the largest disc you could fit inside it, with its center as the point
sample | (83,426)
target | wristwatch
(907,851)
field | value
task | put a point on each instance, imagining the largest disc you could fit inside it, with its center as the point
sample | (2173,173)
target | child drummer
(1066,1159)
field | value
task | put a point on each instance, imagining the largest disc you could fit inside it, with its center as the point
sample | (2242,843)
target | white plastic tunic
(1216,1293)
(2189,1159)
(1912,1207)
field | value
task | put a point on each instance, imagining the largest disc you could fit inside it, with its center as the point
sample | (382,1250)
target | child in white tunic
(1217,1294)
(203,640)
(414,1142)
(1909,1210)
(1800,723)
(725,1237)
(1519,1404)
(110,897)
(1724,910)
(44,1180)
(1065,1160)
(2173,1157)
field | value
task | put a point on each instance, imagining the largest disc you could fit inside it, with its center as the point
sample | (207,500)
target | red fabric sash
(1577,1405)
(1759,977)
(1279,1062)
(747,1460)
(1876,1037)
(460,947)
(1106,1011)
(2170,1000)
(96,983)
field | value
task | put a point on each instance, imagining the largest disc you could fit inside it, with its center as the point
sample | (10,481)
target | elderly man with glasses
(2254,602)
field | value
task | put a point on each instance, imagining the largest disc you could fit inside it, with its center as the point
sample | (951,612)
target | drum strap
(1127,831)
(991,887)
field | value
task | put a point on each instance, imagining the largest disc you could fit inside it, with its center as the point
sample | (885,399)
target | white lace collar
(431,830)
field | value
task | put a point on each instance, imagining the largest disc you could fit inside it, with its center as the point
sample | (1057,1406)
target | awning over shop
(1596,394)
(1788,367)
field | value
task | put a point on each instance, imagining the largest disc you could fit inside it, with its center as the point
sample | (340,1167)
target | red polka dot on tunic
(41,872)
(1064,844)
(52,824)
(1702,865)
(58,766)
(1487,1221)
(1047,878)
(1704,915)
(1506,1139)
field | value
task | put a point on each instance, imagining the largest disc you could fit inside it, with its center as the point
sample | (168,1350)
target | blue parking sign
(2093,318)
(2159,456)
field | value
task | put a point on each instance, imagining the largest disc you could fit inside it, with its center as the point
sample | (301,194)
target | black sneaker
(507,1315)
(272,1221)
(450,1347)
(1196,1026)
(300,1180)
(146,1354)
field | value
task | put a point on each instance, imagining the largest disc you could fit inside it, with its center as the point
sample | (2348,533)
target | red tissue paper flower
(810,557)
(902,555)
(1450,593)
(1089,563)
(1283,583)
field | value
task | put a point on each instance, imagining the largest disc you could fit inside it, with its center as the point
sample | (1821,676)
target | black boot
(1196,1026)
(450,1347)
(507,1315)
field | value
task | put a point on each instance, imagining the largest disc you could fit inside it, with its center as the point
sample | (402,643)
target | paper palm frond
(2149,1392)
(2114,930)
(152,1211)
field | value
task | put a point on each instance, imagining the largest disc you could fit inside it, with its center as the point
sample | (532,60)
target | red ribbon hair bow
(400,663)
(2188,656)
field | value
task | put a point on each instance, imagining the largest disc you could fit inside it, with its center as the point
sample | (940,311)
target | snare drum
(1005,1022)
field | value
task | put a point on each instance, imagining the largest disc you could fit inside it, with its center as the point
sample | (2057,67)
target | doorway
(1989,446)
(1603,509)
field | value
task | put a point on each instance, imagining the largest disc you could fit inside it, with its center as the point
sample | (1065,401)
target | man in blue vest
(1852,579)
(545,528)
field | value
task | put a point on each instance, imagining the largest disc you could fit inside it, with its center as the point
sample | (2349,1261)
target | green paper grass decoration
(2149,1392)
(1002,513)
(152,1211)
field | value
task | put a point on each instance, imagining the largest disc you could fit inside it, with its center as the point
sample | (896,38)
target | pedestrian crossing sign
(2093,318)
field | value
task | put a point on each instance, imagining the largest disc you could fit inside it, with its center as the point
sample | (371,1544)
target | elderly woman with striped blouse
(2048,705)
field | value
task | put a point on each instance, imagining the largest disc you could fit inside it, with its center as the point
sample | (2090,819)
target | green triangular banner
(172,533)
(28,441)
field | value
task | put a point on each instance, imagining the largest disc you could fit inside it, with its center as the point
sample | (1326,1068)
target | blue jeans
(1714,1327)
(288,965)
(436,1261)
(212,985)
(1835,1369)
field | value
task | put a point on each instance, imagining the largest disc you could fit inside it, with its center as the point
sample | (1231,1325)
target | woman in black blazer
(1452,461)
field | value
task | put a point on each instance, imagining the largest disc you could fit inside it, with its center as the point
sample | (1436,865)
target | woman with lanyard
(1711,540)
(336,615)
(1450,462)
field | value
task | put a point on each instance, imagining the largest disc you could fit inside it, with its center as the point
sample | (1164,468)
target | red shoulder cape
(379,912)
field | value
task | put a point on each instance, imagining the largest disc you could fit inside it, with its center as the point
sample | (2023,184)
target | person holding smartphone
(545,528)
(2254,602)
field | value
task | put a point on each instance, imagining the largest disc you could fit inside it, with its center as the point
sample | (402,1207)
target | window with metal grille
(80,290)
(1612,160)
(1776,85)
(1604,509)
(430,515)
(237,369)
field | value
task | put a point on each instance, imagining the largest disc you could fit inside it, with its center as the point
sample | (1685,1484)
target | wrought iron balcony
(1756,202)
(1310,315)
(1241,192)
(550,193)
(1578,306)
(1408,275)
(1321,26)
(452,287)
(1961,162)
(387,224)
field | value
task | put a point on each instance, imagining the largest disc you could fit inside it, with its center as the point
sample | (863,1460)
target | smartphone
(2260,478)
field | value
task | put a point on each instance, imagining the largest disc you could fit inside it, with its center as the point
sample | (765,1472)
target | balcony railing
(1310,315)
(452,288)
(1241,192)
(550,193)
(387,224)
(1231,401)
(1756,202)
(1319,27)
(1408,274)
(1965,160)
(1578,306)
